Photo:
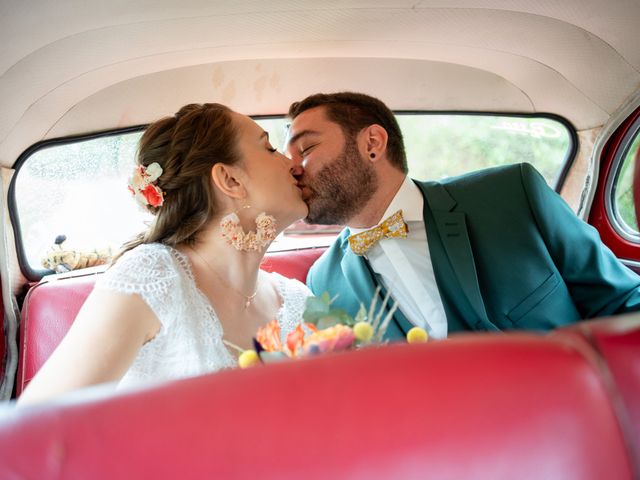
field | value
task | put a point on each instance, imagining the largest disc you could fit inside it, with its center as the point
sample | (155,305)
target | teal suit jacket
(507,253)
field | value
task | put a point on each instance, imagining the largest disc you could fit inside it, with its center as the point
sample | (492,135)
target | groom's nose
(297,164)
(296,169)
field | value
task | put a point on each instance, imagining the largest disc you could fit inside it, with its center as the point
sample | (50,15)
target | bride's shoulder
(150,270)
(149,253)
(289,286)
(146,259)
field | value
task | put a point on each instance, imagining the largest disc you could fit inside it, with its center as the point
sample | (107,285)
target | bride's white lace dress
(189,342)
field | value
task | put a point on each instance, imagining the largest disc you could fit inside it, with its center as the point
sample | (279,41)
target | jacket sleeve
(599,284)
(310,279)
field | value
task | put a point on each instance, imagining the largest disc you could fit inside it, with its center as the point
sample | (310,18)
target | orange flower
(269,337)
(295,340)
(153,195)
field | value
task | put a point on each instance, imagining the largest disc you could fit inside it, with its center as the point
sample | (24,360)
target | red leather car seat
(477,406)
(617,342)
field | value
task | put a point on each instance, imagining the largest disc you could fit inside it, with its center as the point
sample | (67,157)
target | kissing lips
(304,190)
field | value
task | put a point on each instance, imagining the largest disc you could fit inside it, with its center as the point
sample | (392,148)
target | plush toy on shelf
(60,258)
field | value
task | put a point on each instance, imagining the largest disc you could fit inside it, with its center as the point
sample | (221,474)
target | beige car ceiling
(70,67)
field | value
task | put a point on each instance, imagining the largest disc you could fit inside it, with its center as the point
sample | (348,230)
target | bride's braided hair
(186,146)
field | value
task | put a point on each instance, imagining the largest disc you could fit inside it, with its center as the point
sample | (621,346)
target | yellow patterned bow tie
(392,227)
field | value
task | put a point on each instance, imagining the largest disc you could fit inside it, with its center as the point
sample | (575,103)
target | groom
(492,250)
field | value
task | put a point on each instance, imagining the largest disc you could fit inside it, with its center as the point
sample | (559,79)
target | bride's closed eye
(267,142)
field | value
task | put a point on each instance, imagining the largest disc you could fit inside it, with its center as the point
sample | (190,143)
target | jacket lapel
(357,274)
(452,228)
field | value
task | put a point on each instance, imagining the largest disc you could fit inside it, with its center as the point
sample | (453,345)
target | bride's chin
(304,211)
(304,208)
(299,211)
(303,214)
(292,218)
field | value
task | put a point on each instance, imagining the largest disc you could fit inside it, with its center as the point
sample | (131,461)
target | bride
(220,194)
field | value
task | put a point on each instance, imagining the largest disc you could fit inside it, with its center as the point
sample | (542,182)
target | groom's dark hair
(355,111)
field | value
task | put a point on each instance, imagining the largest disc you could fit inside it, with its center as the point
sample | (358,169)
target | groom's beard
(341,189)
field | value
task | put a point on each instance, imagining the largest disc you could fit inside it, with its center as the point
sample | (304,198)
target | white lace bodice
(189,342)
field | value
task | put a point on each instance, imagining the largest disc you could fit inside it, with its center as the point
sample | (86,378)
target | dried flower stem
(372,306)
(233,346)
(385,323)
(378,317)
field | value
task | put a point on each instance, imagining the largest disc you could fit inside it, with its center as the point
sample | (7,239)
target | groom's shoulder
(487,179)
(493,174)
(334,253)
(336,250)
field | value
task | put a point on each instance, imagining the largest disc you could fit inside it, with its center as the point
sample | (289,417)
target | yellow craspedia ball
(248,358)
(417,335)
(363,331)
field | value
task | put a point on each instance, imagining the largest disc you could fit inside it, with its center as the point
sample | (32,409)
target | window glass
(623,199)
(440,146)
(79,189)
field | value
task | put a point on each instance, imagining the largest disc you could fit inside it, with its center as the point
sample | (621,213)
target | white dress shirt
(405,266)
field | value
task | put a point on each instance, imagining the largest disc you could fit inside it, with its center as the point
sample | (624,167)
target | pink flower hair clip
(142,186)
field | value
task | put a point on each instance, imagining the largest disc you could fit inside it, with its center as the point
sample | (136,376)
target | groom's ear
(228,179)
(373,141)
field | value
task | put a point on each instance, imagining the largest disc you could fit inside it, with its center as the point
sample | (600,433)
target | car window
(441,146)
(621,203)
(76,188)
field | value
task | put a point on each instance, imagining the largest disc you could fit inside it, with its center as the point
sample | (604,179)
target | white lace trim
(190,339)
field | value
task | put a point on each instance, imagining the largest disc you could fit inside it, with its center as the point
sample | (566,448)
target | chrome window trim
(619,225)
(591,181)
(630,263)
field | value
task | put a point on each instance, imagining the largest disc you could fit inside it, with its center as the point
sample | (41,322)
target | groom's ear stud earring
(372,155)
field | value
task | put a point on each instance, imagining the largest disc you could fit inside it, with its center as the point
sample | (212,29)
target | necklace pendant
(247,303)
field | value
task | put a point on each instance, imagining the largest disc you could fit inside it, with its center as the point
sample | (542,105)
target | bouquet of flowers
(324,329)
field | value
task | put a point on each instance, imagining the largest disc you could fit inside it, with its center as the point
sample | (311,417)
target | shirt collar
(408,199)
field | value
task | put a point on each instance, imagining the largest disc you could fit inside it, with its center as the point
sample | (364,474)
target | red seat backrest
(478,406)
(51,306)
(618,344)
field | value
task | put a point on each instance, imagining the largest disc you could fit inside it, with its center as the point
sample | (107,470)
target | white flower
(153,171)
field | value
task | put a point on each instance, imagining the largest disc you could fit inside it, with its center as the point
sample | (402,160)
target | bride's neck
(238,268)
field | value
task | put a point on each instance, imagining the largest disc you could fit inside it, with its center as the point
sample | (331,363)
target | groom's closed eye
(300,137)
(305,150)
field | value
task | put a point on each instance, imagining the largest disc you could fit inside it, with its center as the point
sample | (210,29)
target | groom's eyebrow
(301,134)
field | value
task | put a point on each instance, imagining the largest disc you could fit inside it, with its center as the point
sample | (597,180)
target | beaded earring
(235,236)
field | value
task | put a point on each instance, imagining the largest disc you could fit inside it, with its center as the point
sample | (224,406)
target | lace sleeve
(148,271)
(294,295)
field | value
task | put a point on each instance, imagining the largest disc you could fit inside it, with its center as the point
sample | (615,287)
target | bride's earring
(235,236)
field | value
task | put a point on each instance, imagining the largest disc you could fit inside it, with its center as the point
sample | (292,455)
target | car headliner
(70,67)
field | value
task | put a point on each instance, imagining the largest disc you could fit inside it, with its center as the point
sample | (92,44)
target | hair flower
(142,186)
